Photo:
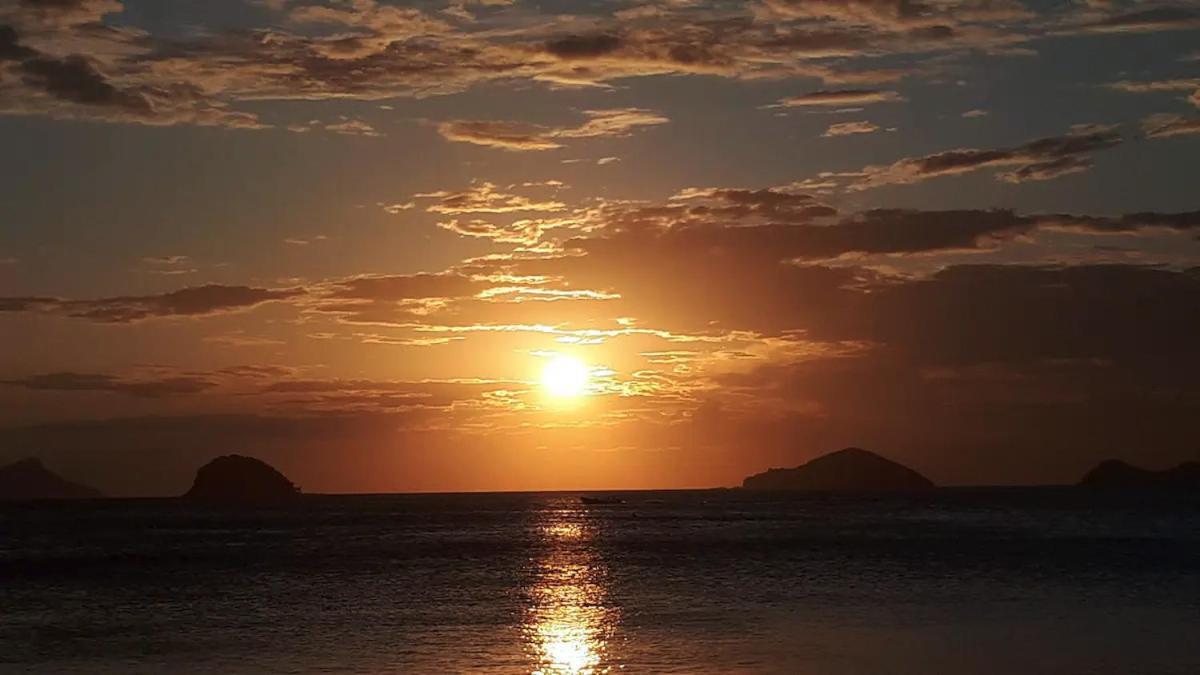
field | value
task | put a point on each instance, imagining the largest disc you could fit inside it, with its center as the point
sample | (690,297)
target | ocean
(1055,580)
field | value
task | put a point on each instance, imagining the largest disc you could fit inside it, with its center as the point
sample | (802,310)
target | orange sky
(347,237)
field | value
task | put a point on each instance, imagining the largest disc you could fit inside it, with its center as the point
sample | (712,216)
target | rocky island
(30,479)
(851,469)
(1114,473)
(237,479)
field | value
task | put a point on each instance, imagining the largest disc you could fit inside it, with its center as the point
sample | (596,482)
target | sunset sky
(348,237)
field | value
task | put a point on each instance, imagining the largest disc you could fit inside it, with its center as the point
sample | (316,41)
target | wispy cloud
(517,136)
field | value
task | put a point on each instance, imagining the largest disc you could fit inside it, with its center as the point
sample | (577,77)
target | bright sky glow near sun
(347,235)
(565,377)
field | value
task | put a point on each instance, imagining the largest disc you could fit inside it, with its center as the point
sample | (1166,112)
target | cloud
(398,207)
(770,204)
(167,260)
(170,265)
(393,299)
(73,86)
(571,47)
(84,60)
(242,339)
(345,127)
(615,122)
(898,14)
(517,136)
(495,134)
(522,231)
(187,302)
(660,260)
(1073,312)
(840,97)
(773,235)
(784,319)
(367,50)
(58,14)
(74,79)
(1166,126)
(975,113)
(1153,86)
(850,128)
(404,287)
(1151,20)
(305,241)
(1139,87)
(484,198)
(147,388)
(1041,159)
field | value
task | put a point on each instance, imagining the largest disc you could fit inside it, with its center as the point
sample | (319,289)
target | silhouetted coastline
(1115,473)
(849,469)
(237,479)
(29,479)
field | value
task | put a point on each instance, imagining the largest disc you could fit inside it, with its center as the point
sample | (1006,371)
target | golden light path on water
(569,626)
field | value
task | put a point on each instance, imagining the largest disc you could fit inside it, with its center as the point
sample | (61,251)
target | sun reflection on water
(569,625)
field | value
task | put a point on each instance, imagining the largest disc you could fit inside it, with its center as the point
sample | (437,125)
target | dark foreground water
(973,581)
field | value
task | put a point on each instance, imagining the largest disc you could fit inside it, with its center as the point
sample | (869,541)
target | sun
(565,377)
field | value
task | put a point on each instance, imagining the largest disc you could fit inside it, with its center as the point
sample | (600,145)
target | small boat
(601,500)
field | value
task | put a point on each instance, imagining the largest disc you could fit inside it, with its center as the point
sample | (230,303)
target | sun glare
(565,377)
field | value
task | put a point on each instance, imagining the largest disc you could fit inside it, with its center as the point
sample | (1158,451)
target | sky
(365,240)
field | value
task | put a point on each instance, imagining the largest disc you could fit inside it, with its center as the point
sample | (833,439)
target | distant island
(1114,473)
(30,479)
(851,469)
(237,479)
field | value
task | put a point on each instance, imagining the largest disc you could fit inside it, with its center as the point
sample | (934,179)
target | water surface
(958,581)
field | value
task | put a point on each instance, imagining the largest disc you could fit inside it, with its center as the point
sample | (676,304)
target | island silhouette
(849,469)
(242,479)
(1115,473)
(30,479)
(238,479)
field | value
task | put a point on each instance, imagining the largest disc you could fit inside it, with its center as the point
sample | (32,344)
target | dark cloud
(10,47)
(382,395)
(405,287)
(1150,20)
(739,204)
(1179,221)
(145,387)
(74,79)
(1130,222)
(695,268)
(900,14)
(1039,421)
(583,46)
(259,371)
(194,301)
(1041,159)
(27,304)
(371,50)
(59,14)
(966,314)
(74,86)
